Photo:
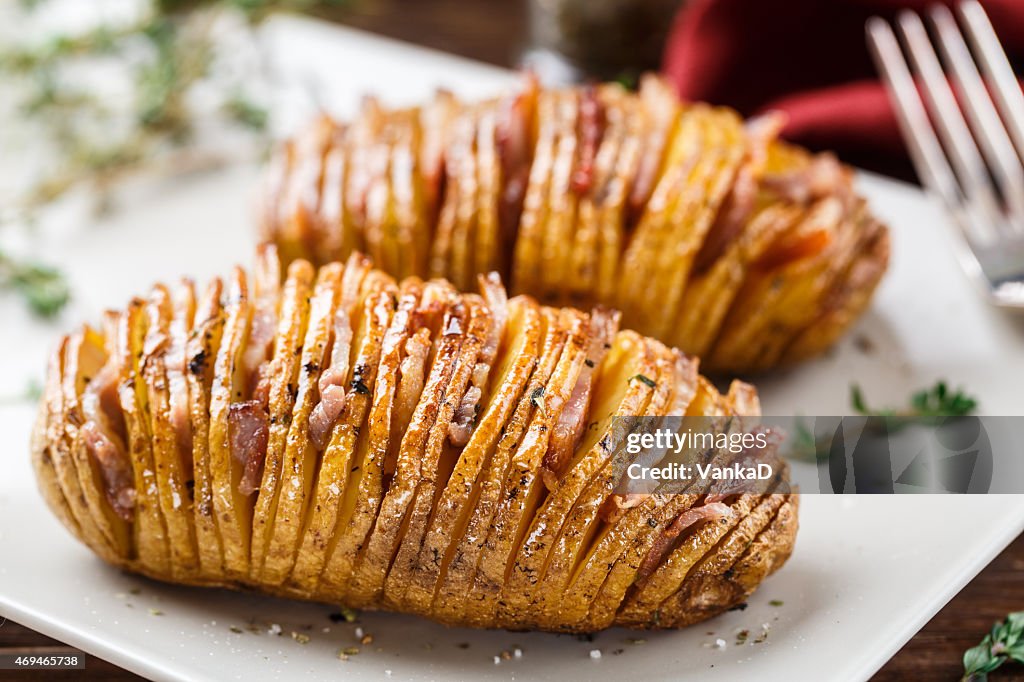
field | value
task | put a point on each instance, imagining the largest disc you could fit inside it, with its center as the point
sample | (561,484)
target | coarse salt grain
(595,654)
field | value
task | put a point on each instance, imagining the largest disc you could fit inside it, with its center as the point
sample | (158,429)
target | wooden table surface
(494,31)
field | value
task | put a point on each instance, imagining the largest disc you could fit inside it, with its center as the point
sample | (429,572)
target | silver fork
(972,159)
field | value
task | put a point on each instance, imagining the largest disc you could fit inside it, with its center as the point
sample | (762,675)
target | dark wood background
(495,31)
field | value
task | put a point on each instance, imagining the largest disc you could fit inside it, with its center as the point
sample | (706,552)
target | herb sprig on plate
(937,401)
(926,406)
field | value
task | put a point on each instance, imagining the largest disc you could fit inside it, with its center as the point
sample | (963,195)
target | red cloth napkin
(809,59)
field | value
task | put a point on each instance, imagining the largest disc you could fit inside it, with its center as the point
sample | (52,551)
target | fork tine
(924,148)
(998,71)
(952,129)
(988,128)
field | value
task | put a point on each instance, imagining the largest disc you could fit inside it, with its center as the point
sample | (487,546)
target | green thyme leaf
(646,380)
(43,287)
(245,112)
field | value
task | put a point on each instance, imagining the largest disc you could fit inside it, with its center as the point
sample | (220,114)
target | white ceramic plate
(867,572)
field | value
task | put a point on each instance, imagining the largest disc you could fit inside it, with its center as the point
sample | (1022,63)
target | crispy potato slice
(441,452)
(800,301)
(581,526)
(641,607)
(720,266)
(530,238)
(579,281)
(848,298)
(373,446)
(519,354)
(150,531)
(337,235)
(361,144)
(271,203)
(203,347)
(171,491)
(556,233)
(459,145)
(523,490)
(709,296)
(452,598)
(639,258)
(60,438)
(299,462)
(547,555)
(650,525)
(488,252)
(379,225)
(410,213)
(286,360)
(86,356)
(42,462)
(341,470)
(460,266)
(695,213)
(230,385)
(742,341)
(46,475)
(616,207)
(300,198)
(709,587)
(420,450)
(624,545)
(662,108)
(434,121)
(766,553)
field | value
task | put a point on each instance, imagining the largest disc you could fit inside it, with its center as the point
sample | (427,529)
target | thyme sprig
(1005,642)
(926,406)
(43,287)
(95,140)
(165,54)
(805,446)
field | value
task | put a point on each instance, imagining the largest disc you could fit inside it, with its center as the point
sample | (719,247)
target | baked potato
(706,232)
(340,436)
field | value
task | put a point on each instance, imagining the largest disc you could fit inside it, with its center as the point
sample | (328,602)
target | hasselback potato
(342,437)
(707,233)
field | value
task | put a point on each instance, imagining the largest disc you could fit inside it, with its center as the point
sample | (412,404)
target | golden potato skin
(457,433)
(706,231)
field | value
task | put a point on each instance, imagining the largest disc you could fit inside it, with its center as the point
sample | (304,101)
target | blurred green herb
(1005,642)
(166,53)
(43,287)
(805,446)
(32,392)
(926,406)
